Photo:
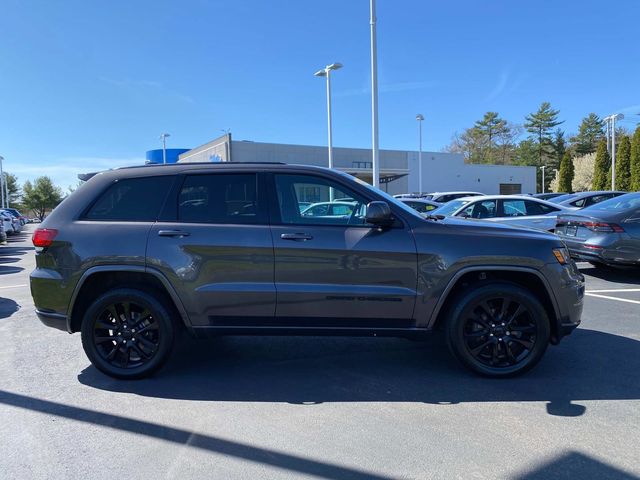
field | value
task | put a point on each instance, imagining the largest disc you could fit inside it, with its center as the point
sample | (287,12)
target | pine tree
(590,132)
(489,127)
(566,173)
(540,125)
(635,162)
(602,167)
(623,164)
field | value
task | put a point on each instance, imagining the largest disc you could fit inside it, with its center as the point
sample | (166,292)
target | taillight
(43,237)
(603,227)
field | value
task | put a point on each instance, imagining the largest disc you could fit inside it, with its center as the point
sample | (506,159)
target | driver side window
(330,202)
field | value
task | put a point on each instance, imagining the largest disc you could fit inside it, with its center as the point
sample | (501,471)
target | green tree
(490,127)
(602,167)
(540,125)
(41,196)
(635,162)
(566,173)
(590,132)
(623,164)
(13,187)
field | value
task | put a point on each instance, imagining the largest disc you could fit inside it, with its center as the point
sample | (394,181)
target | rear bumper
(53,320)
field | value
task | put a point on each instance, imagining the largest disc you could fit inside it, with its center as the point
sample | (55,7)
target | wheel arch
(528,278)
(99,279)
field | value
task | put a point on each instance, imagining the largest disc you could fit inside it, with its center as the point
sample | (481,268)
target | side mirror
(463,215)
(379,214)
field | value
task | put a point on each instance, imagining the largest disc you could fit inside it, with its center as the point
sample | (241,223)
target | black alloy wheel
(498,329)
(127,333)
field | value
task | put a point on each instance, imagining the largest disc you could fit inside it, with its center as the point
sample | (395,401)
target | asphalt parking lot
(333,408)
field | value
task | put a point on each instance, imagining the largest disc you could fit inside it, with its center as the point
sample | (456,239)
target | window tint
(484,209)
(220,198)
(514,208)
(132,199)
(420,206)
(579,203)
(294,189)
(599,198)
(536,208)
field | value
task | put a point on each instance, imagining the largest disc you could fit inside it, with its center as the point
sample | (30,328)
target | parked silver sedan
(521,210)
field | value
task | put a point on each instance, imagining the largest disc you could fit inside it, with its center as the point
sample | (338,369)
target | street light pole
(2,188)
(374,95)
(542,168)
(163,137)
(420,119)
(326,72)
(612,119)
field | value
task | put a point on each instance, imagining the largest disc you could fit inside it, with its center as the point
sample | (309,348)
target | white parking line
(14,286)
(614,290)
(613,298)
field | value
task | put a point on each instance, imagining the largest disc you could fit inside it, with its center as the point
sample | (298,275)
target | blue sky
(89,84)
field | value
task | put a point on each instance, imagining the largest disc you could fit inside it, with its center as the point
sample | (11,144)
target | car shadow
(614,275)
(577,465)
(589,365)
(8,307)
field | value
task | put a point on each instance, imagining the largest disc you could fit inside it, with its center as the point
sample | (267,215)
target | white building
(398,168)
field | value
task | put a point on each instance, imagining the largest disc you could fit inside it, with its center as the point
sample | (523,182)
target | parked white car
(7,221)
(518,210)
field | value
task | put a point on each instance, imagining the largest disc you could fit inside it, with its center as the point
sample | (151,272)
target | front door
(332,269)
(217,250)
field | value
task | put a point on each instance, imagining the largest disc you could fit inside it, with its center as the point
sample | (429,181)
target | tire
(133,349)
(494,343)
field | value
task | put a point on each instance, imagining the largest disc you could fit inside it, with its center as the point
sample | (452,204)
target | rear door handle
(173,233)
(296,236)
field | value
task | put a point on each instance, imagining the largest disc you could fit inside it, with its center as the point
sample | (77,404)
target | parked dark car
(138,253)
(548,196)
(585,199)
(607,233)
(23,220)
(3,234)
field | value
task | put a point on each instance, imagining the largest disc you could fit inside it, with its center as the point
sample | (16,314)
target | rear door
(337,270)
(214,245)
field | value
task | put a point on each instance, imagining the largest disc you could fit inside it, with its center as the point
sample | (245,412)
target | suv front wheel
(498,329)
(127,333)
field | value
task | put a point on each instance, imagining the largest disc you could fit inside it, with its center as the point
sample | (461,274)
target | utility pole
(420,119)
(374,96)
(542,168)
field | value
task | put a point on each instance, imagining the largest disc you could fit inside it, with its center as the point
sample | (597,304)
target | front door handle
(173,233)
(296,236)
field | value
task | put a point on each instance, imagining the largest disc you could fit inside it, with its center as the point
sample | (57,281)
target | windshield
(562,198)
(623,202)
(450,208)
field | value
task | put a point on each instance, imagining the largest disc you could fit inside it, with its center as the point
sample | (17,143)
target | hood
(480,227)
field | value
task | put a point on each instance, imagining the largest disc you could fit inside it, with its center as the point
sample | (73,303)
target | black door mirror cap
(379,214)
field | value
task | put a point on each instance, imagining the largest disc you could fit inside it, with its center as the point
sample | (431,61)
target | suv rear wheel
(498,329)
(127,333)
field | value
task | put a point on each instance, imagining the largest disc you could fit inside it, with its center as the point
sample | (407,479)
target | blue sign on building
(155,156)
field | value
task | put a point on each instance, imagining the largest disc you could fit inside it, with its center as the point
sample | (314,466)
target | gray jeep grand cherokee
(137,254)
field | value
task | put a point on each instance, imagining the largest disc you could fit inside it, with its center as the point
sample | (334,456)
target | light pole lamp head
(164,135)
(334,66)
(419,117)
(320,73)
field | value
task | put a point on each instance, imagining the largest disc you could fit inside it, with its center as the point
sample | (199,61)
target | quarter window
(220,198)
(514,208)
(132,200)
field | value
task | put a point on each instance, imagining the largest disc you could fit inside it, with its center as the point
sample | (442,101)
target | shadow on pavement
(8,307)
(614,275)
(179,436)
(589,365)
(10,254)
(575,465)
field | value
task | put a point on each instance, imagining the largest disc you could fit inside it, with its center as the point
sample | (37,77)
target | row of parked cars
(601,227)
(11,222)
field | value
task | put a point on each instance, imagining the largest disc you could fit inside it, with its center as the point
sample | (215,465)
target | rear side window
(220,198)
(535,208)
(131,200)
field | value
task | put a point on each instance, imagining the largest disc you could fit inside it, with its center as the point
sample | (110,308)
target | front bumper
(53,320)
(567,285)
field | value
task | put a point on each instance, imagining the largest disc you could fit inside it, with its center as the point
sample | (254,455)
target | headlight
(562,255)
